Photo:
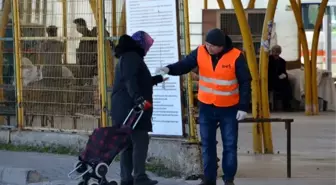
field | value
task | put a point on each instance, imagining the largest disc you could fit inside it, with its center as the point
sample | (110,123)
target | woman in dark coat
(133,84)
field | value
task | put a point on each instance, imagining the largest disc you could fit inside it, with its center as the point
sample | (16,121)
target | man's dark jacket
(132,80)
(276,67)
(242,72)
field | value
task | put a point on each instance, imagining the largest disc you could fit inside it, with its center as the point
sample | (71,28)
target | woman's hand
(165,79)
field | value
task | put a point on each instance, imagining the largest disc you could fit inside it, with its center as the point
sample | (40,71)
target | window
(333,17)
(309,15)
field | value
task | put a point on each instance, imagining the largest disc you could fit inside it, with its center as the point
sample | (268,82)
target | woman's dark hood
(140,42)
(127,44)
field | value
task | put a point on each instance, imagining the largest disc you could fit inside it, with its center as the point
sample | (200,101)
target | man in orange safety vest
(224,94)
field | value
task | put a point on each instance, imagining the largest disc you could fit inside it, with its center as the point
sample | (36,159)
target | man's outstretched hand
(162,70)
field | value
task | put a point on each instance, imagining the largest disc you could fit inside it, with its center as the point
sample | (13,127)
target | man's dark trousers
(209,117)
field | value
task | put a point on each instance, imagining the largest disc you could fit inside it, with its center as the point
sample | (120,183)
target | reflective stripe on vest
(218,82)
(216,92)
(220,86)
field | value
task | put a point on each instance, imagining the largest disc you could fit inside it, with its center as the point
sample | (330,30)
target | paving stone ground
(313,149)
(55,169)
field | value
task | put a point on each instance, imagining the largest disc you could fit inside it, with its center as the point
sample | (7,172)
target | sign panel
(158,18)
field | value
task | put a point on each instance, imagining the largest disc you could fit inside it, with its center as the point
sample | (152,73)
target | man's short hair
(80,21)
(276,49)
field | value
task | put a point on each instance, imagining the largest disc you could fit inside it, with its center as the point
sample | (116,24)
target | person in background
(95,30)
(51,55)
(86,53)
(278,81)
(133,84)
(224,94)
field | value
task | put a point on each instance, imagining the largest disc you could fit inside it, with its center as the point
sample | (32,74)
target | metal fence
(7,97)
(62,81)
(59,65)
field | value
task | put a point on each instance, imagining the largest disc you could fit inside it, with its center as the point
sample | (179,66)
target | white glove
(162,70)
(241,115)
(282,76)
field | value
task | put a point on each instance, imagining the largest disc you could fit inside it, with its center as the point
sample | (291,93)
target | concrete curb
(175,153)
(59,182)
(19,176)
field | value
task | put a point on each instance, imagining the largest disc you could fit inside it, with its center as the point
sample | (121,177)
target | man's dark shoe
(229,183)
(204,182)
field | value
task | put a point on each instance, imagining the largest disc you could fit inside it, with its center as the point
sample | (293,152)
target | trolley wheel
(112,183)
(80,167)
(101,170)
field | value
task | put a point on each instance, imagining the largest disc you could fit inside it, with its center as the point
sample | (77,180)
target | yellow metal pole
(107,67)
(264,52)
(251,4)
(17,44)
(192,125)
(252,63)
(65,30)
(299,42)
(307,64)
(315,43)
(205,6)
(98,12)
(4,22)
(109,60)
(221,4)
(93,4)
(114,18)
(114,35)
(122,22)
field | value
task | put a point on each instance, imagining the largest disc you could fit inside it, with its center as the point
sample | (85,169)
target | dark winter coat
(132,80)
(276,67)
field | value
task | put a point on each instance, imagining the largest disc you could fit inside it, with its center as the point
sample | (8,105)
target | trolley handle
(139,109)
(142,105)
(145,105)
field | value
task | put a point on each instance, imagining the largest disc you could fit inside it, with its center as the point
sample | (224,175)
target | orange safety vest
(220,86)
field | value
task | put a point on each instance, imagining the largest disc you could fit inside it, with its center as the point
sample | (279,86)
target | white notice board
(158,19)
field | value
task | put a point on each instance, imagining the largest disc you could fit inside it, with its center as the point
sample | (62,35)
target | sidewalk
(238,182)
(56,167)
